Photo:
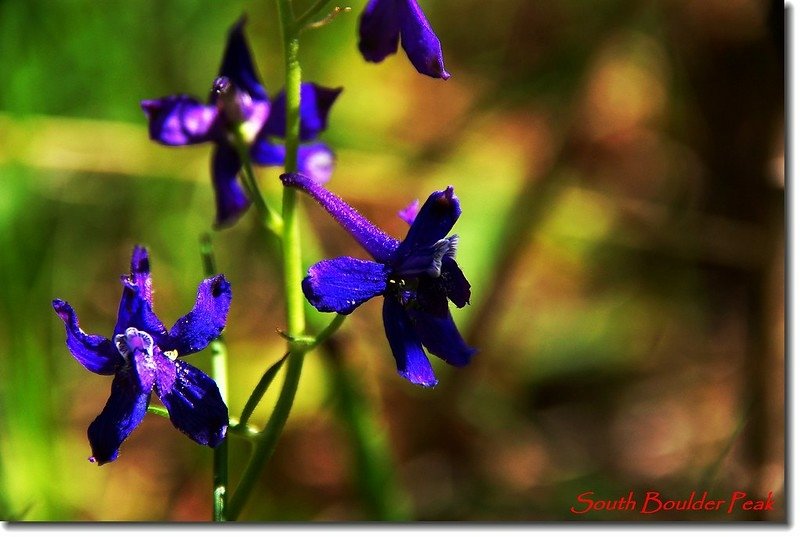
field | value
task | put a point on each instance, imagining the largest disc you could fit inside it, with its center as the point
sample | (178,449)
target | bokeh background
(621,169)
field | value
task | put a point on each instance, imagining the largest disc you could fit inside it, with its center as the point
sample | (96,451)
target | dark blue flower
(314,159)
(385,22)
(143,356)
(416,276)
(238,101)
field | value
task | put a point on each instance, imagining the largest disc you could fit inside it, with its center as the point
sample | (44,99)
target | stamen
(228,100)
(133,340)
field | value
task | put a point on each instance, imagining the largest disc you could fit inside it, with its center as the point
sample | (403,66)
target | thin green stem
(292,248)
(311,13)
(246,431)
(219,372)
(219,366)
(268,439)
(292,270)
(272,220)
(260,390)
(234,427)
(329,18)
(309,342)
(327,332)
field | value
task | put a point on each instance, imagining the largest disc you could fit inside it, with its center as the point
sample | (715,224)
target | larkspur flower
(416,277)
(143,357)
(385,22)
(238,101)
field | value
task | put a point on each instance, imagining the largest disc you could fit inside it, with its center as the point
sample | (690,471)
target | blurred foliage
(620,166)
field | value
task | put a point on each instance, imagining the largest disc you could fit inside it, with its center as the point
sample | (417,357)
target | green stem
(266,443)
(327,332)
(292,250)
(272,220)
(247,432)
(259,391)
(234,428)
(219,372)
(292,270)
(311,12)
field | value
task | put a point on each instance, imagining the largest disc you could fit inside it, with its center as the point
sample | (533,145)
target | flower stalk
(292,269)
(219,372)
(259,391)
(272,220)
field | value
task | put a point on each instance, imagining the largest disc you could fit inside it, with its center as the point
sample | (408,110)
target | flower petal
(181,120)
(434,220)
(409,213)
(441,337)
(406,348)
(419,41)
(266,153)
(374,240)
(379,30)
(193,400)
(140,273)
(237,63)
(123,412)
(427,260)
(231,200)
(344,283)
(315,160)
(455,283)
(94,352)
(195,330)
(315,105)
(136,305)
(432,296)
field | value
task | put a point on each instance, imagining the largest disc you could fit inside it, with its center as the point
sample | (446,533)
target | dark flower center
(404,290)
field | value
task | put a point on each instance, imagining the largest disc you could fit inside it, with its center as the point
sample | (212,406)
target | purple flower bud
(384,23)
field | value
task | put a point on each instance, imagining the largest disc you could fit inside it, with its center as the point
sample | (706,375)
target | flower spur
(416,276)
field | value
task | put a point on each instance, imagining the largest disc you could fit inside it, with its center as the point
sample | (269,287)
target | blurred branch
(530,209)
(372,459)
(697,236)
(89,145)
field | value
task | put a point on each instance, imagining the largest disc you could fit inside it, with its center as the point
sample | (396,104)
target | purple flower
(416,277)
(238,101)
(385,22)
(143,357)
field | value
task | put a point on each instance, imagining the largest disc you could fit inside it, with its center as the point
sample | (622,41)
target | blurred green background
(620,166)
